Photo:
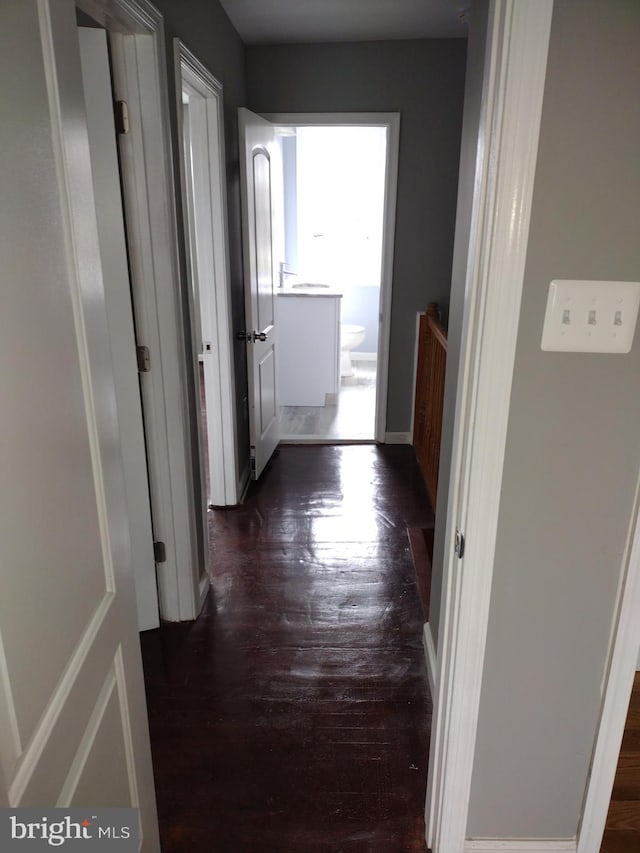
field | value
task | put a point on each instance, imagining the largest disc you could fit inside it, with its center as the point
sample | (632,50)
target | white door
(73,727)
(204,207)
(258,171)
(106,187)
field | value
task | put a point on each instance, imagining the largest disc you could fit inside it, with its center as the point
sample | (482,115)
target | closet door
(73,726)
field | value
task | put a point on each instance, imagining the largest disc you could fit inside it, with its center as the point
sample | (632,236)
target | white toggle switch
(591,316)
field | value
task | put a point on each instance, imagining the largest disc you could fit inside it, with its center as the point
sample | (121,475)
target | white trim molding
(392,122)
(513,86)
(322,439)
(204,205)
(520,845)
(127,16)
(430,656)
(617,688)
(397,438)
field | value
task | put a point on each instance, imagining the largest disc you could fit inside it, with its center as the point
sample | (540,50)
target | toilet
(350,337)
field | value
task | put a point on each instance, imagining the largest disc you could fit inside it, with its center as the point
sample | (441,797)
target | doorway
(204,211)
(136,46)
(98,96)
(339,180)
(333,194)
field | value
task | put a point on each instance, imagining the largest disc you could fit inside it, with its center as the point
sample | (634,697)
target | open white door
(258,170)
(96,79)
(73,727)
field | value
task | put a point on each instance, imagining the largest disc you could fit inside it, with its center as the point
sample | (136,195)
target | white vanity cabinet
(308,350)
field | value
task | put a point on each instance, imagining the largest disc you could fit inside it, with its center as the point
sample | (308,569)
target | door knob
(251,337)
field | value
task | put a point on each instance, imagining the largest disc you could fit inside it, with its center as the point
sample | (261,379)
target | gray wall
(424,81)
(470,126)
(573,446)
(206,30)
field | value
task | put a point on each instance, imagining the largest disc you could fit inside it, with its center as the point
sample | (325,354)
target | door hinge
(144,361)
(459,543)
(159,552)
(121,115)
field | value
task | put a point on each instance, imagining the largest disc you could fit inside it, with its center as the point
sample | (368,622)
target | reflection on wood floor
(293,715)
(352,418)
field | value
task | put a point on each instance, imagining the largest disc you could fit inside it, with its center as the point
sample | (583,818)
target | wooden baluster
(430,375)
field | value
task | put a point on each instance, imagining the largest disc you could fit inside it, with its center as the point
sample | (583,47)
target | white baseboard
(397,438)
(363,356)
(430,656)
(520,845)
(323,439)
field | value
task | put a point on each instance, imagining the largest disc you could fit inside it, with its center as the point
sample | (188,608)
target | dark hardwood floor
(293,716)
(622,833)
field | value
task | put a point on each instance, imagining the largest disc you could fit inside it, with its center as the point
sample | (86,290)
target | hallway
(293,716)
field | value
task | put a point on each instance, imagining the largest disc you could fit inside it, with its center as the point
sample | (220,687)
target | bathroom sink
(307,285)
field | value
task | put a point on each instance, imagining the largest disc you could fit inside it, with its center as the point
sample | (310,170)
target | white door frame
(138,60)
(513,85)
(617,687)
(391,121)
(212,336)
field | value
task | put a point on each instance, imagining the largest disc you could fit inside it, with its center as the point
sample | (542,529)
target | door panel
(67,609)
(262,200)
(258,169)
(102,746)
(106,186)
(34,590)
(267,368)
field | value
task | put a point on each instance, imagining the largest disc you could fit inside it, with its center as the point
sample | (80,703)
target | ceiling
(304,21)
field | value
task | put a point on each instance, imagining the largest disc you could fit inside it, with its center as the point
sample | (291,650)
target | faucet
(282,272)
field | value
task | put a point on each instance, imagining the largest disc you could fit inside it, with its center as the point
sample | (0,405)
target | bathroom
(334,183)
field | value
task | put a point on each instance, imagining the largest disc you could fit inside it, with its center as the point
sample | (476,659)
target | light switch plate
(590,316)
